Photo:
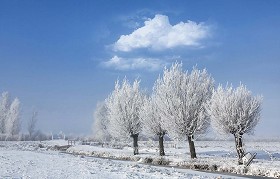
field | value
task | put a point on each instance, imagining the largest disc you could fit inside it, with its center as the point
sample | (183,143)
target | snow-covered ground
(212,156)
(31,160)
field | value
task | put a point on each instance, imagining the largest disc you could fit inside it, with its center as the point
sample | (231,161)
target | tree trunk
(191,146)
(239,148)
(135,144)
(161,147)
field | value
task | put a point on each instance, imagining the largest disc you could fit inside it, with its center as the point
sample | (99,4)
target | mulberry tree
(100,125)
(152,124)
(13,122)
(181,98)
(9,115)
(124,105)
(32,125)
(4,111)
(236,112)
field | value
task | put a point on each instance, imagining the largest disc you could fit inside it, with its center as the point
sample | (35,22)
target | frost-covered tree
(100,124)
(151,120)
(235,111)
(32,125)
(13,121)
(124,105)
(181,98)
(4,110)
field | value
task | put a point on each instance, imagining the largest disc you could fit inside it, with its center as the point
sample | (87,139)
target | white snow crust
(31,160)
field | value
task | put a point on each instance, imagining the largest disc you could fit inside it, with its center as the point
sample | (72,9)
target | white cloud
(119,63)
(159,34)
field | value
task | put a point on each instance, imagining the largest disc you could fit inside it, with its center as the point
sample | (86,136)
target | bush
(160,161)
(148,160)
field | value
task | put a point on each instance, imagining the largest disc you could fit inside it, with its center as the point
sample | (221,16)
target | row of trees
(9,116)
(182,105)
(10,124)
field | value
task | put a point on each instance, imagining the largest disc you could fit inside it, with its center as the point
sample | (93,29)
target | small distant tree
(236,112)
(61,135)
(182,98)
(151,120)
(4,111)
(32,125)
(13,119)
(124,105)
(101,122)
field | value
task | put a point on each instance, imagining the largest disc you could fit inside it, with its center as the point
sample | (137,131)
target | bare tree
(32,125)
(151,120)
(13,121)
(235,111)
(182,98)
(124,105)
(4,110)
(100,125)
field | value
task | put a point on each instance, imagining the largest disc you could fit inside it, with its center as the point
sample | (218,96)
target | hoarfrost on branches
(152,124)
(235,111)
(32,125)
(182,98)
(100,125)
(124,105)
(151,119)
(13,123)
(4,110)
(9,117)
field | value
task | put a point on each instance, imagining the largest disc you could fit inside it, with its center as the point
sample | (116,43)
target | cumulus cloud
(120,63)
(159,34)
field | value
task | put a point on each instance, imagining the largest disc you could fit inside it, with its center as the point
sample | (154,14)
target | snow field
(212,156)
(38,160)
(26,160)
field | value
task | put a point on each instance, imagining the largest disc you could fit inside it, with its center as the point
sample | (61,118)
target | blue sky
(62,57)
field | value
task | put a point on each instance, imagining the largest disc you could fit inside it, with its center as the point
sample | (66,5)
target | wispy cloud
(159,34)
(119,63)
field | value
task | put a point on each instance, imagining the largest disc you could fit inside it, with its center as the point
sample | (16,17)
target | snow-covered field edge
(203,163)
(212,156)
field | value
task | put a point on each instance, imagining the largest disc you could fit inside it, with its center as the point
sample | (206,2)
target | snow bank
(17,163)
(212,156)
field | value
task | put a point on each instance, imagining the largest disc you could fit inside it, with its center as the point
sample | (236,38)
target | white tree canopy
(32,124)
(181,98)
(124,105)
(234,111)
(151,118)
(100,125)
(4,110)
(13,122)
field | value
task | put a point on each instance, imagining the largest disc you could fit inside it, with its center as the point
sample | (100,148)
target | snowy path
(34,164)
